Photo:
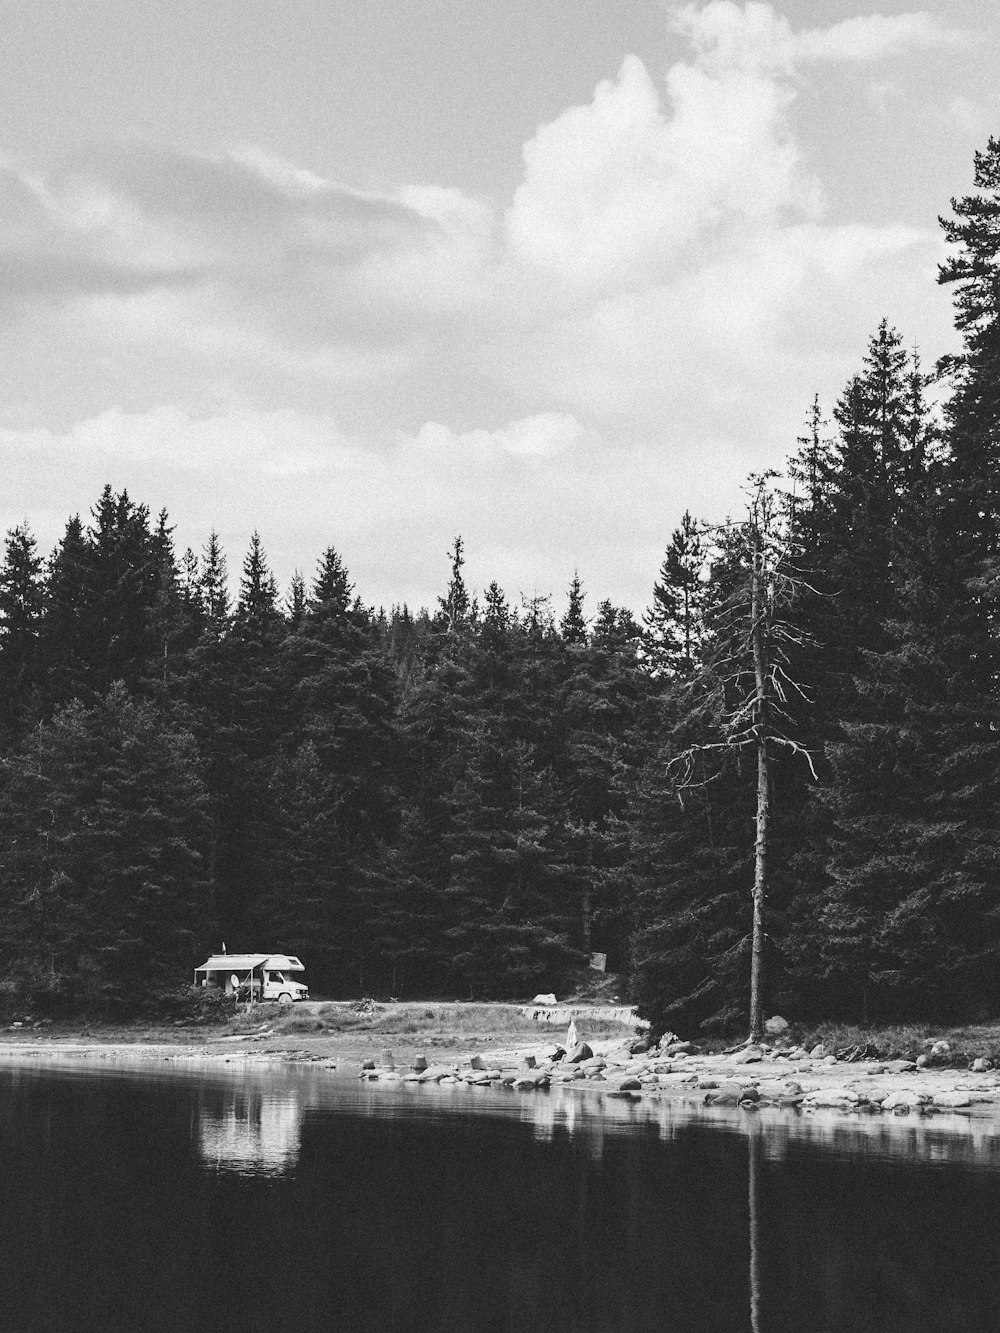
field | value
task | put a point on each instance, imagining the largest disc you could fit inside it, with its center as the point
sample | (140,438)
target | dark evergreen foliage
(473,799)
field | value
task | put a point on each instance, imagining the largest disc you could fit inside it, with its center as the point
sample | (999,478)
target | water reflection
(403,1208)
(753,1185)
(253,1131)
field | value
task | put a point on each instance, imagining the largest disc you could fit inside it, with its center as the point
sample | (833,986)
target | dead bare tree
(755,638)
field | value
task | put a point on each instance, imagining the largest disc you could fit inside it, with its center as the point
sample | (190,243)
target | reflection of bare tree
(255,1131)
(755,1165)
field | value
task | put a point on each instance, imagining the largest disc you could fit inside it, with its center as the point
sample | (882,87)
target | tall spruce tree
(675,618)
(21,604)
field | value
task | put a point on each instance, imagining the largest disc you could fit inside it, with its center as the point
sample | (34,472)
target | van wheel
(284,998)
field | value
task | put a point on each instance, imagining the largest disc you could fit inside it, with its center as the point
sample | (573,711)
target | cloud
(753,38)
(646,320)
(543,436)
(280,444)
(872,37)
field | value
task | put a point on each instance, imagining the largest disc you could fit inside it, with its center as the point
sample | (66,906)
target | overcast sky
(544,273)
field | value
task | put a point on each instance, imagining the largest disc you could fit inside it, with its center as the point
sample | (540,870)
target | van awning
(250,962)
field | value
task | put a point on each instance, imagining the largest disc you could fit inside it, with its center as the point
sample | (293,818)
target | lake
(221,1197)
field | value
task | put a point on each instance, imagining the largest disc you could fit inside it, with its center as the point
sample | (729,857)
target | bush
(188,1004)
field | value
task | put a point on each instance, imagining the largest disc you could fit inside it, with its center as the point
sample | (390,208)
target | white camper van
(254,976)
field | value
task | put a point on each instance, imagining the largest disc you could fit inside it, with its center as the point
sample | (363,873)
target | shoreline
(752,1079)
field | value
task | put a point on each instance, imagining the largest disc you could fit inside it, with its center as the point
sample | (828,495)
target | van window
(276,976)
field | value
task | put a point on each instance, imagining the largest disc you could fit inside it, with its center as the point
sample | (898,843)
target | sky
(539,273)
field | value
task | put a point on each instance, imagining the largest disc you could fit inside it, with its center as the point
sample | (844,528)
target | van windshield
(276,976)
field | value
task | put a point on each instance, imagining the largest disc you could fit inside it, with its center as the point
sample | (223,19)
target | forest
(470,799)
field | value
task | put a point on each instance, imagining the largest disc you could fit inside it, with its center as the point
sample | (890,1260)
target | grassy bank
(444,1025)
(359,1029)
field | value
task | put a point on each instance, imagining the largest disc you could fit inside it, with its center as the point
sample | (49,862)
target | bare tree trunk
(757,602)
(586,901)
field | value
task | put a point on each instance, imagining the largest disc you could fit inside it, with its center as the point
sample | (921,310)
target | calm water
(286,1201)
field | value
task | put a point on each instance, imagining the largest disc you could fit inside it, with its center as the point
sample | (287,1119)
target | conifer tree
(102,887)
(573,626)
(455,607)
(973,411)
(213,583)
(675,620)
(21,603)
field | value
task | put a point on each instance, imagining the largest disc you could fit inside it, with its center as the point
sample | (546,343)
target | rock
(524,1083)
(544,999)
(386,1061)
(477,1062)
(580,1052)
(752,1055)
(528,1062)
(940,1050)
(952,1098)
(818,1052)
(833,1097)
(776,1026)
(900,1066)
(629,1084)
(708,1083)
(420,1064)
(775,1088)
(905,1097)
(729,1093)
(679,1048)
(623,1095)
(436,1073)
(980,1065)
(367,1064)
(923,1061)
(640,1047)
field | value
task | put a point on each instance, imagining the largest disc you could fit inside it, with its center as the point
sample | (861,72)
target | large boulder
(904,1097)
(776,1026)
(580,1052)
(953,1098)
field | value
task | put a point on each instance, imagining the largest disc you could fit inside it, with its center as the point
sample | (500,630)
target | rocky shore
(620,1068)
(750,1077)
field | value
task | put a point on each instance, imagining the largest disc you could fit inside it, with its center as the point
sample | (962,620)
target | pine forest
(782,780)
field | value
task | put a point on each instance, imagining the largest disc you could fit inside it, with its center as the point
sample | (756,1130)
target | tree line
(473,799)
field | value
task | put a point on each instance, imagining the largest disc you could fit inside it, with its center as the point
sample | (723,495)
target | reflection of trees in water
(942,1138)
(755,1168)
(251,1131)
